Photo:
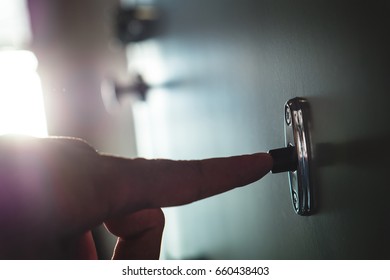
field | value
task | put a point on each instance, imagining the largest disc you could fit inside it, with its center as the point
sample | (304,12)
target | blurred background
(194,79)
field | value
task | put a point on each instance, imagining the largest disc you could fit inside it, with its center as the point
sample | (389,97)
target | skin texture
(55,190)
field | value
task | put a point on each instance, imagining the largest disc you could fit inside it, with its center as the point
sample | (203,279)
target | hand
(55,190)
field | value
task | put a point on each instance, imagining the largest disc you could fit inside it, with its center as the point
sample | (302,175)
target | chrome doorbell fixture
(296,157)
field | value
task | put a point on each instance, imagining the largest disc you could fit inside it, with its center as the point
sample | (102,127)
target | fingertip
(265,162)
(269,161)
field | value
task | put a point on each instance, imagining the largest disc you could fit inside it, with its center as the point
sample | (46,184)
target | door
(222,72)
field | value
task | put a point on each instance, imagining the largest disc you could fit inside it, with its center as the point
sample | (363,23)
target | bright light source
(14,23)
(21,101)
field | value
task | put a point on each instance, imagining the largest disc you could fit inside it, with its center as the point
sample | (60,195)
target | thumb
(139,234)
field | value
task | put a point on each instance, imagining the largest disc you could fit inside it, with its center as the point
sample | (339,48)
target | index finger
(134,184)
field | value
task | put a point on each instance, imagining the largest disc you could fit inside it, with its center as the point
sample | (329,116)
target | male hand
(55,190)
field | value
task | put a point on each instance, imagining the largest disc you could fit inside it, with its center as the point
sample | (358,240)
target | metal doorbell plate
(297,132)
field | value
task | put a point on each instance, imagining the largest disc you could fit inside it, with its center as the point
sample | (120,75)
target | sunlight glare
(21,100)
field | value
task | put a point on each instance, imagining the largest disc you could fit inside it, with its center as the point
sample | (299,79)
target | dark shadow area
(370,152)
